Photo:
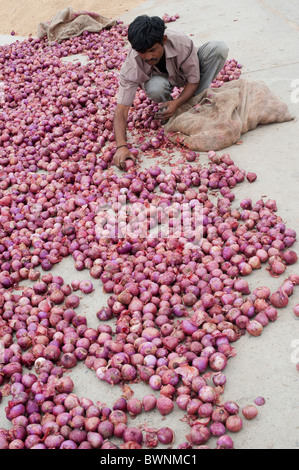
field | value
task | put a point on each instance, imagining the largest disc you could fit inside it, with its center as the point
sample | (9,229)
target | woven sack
(217,117)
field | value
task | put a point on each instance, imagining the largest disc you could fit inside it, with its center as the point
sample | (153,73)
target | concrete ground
(263,36)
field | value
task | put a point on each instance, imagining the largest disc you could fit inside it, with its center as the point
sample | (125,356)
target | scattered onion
(250,411)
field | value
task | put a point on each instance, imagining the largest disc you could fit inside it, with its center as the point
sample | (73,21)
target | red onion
(207,394)
(296,310)
(124,297)
(254,328)
(134,406)
(198,435)
(68,444)
(271,313)
(290,257)
(155,382)
(112,376)
(219,415)
(182,401)
(106,429)
(231,407)
(294,278)
(149,402)
(133,434)
(78,436)
(262,318)
(95,439)
(251,177)
(279,299)
(191,156)
(68,360)
(219,379)
(217,361)
(164,405)
(287,287)
(250,411)
(217,429)
(72,301)
(242,286)
(165,435)
(201,363)
(15,411)
(11,369)
(234,423)
(262,292)
(225,442)
(86,287)
(52,352)
(277,266)
(71,401)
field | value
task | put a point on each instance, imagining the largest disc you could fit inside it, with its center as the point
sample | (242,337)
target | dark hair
(145,31)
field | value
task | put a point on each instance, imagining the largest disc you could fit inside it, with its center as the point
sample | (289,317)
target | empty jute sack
(217,117)
(69,24)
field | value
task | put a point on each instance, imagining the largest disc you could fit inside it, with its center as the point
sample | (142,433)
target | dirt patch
(23,17)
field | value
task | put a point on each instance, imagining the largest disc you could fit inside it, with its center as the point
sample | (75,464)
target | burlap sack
(68,24)
(217,117)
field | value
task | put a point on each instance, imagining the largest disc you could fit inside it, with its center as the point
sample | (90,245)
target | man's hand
(170,107)
(120,157)
(167,110)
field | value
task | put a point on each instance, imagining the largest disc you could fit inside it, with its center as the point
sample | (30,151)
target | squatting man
(158,61)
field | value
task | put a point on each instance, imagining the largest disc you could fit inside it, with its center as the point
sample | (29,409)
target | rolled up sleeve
(129,80)
(126,92)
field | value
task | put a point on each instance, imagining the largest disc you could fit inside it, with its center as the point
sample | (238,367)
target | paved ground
(263,36)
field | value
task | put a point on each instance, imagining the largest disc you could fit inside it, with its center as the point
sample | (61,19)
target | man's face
(153,55)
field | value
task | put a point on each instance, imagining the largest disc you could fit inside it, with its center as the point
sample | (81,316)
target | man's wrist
(122,145)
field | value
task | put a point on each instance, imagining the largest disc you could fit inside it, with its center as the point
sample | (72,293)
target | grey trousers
(211,55)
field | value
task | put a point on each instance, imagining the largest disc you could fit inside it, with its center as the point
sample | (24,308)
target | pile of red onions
(177,303)
(231,71)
